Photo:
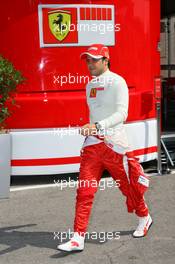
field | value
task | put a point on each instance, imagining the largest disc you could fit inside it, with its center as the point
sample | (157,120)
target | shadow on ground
(14,239)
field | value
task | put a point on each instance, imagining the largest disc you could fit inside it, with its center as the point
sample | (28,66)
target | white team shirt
(107,99)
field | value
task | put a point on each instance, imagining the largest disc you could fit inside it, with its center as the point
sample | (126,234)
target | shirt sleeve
(120,92)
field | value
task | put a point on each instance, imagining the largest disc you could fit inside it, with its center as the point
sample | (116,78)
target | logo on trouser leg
(143,180)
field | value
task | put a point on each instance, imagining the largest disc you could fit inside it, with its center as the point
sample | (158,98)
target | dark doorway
(167,8)
(168,64)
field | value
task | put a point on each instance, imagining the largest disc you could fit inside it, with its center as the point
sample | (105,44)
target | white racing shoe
(76,243)
(143,226)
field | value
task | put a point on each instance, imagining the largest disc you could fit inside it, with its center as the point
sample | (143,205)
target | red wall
(41,103)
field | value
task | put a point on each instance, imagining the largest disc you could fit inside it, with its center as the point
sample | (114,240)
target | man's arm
(120,91)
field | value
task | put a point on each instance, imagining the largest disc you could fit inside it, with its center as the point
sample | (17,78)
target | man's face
(96,66)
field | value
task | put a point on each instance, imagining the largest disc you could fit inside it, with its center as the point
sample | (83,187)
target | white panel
(98,33)
(147,157)
(53,143)
(142,134)
(45,170)
(37,144)
(5,168)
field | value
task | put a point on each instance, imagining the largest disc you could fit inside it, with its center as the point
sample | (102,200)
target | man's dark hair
(109,65)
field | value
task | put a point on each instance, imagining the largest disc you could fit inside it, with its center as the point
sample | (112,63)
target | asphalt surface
(32,221)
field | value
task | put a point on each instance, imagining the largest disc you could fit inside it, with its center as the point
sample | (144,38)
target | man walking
(106,147)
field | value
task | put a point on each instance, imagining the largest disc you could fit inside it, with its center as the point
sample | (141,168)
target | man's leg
(91,169)
(139,183)
(114,163)
(127,174)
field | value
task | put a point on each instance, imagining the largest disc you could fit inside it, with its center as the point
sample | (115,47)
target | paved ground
(29,219)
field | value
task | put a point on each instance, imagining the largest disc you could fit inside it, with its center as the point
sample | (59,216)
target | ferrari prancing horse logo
(93,92)
(59,23)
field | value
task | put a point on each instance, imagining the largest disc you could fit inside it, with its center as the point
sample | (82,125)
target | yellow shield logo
(93,92)
(59,23)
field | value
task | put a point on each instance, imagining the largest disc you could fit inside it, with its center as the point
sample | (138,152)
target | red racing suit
(124,169)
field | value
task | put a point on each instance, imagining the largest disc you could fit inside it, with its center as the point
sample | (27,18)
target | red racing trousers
(124,169)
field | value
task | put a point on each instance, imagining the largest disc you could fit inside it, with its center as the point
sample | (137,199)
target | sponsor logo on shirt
(100,88)
(93,92)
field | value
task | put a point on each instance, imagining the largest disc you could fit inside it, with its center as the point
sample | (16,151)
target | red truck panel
(134,56)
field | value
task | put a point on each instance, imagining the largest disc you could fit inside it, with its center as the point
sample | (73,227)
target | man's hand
(88,130)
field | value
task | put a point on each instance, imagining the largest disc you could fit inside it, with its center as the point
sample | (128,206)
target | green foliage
(9,80)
